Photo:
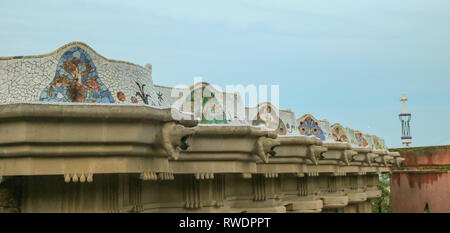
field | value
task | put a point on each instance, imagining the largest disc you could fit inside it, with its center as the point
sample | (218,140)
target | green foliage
(382,204)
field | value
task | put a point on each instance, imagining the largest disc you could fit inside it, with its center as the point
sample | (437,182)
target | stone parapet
(107,162)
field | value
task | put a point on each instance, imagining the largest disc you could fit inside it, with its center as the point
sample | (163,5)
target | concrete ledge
(91,111)
(373,194)
(355,197)
(334,201)
(312,206)
(278,209)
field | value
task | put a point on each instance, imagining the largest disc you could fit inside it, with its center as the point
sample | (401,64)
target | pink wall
(423,178)
(436,157)
(411,191)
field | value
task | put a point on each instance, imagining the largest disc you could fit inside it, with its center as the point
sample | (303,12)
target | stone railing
(86,158)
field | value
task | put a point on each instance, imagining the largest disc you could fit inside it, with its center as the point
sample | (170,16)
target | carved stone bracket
(314,153)
(171,138)
(387,159)
(347,156)
(265,146)
(370,158)
(396,159)
(81,177)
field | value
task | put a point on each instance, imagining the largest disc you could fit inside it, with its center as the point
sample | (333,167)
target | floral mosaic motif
(141,93)
(377,143)
(338,133)
(76,80)
(308,126)
(202,102)
(360,140)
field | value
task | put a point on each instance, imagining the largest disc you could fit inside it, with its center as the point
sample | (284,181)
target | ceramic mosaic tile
(308,125)
(338,133)
(325,126)
(288,118)
(74,73)
(267,116)
(210,105)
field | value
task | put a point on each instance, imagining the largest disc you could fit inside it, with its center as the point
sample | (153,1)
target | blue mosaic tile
(309,126)
(76,80)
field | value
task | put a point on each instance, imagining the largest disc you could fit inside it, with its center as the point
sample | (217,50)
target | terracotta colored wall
(423,178)
(426,156)
(410,192)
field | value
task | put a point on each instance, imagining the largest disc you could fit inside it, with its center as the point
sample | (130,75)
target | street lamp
(405,118)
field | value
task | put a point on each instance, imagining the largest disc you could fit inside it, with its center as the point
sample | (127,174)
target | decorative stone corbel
(204,176)
(265,146)
(148,176)
(391,161)
(299,174)
(347,156)
(271,175)
(173,136)
(81,177)
(165,176)
(369,158)
(314,152)
(386,159)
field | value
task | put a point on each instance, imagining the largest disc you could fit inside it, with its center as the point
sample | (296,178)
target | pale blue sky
(346,61)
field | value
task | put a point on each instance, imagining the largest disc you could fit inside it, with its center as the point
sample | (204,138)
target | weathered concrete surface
(423,179)
(61,158)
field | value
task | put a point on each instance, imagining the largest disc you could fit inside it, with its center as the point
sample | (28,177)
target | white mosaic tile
(23,79)
(76,74)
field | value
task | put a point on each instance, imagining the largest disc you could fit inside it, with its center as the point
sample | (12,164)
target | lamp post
(405,118)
